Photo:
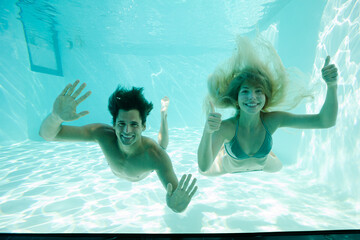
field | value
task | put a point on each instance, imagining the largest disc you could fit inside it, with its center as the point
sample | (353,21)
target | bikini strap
(237,127)
(236,131)
(264,124)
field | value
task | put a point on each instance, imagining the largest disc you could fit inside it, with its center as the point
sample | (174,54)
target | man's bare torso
(132,168)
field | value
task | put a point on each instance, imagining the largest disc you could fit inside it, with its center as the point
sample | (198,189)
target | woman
(255,86)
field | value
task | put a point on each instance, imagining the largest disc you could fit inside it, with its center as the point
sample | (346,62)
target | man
(130,155)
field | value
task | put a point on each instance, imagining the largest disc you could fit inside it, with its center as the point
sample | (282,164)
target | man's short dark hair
(127,100)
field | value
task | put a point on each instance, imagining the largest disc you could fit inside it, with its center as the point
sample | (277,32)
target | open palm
(181,197)
(65,104)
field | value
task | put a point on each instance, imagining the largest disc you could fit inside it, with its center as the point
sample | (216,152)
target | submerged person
(253,87)
(130,155)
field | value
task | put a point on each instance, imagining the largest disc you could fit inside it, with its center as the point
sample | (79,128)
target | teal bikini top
(234,149)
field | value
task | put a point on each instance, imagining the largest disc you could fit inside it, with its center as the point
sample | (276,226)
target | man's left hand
(179,199)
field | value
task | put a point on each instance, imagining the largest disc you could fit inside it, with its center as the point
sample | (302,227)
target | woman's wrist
(208,131)
(332,85)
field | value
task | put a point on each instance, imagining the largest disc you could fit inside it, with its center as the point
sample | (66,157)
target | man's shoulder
(152,147)
(101,126)
(101,130)
(155,153)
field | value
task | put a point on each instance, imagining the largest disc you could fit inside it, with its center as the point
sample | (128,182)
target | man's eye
(121,124)
(134,125)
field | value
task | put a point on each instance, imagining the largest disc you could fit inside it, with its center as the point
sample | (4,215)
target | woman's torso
(246,150)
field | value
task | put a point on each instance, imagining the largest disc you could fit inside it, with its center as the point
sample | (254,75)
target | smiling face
(251,98)
(128,127)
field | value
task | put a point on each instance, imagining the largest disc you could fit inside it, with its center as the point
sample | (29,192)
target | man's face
(128,126)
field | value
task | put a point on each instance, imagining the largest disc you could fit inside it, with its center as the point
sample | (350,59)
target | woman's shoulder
(228,128)
(272,120)
(229,122)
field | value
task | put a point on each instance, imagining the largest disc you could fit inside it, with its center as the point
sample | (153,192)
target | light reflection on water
(68,187)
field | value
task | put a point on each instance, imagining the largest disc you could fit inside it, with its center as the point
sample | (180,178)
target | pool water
(66,187)
(57,187)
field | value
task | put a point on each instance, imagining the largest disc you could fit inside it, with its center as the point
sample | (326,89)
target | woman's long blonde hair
(256,62)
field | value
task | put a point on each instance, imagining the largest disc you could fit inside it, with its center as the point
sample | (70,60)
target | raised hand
(65,104)
(181,197)
(213,120)
(329,72)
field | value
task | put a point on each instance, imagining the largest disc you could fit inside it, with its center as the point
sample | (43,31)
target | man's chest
(132,168)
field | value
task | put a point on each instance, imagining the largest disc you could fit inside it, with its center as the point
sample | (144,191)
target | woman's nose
(252,95)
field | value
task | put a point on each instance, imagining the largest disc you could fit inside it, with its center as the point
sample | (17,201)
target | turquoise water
(68,187)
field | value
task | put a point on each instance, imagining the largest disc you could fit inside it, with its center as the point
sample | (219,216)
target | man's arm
(178,194)
(50,127)
(51,131)
(64,109)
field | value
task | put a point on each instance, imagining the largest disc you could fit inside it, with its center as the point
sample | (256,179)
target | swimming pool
(68,187)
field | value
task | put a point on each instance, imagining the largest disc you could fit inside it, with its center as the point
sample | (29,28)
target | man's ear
(144,126)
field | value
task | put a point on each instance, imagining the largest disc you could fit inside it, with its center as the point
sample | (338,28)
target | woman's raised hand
(329,72)
(213,120)
(65,104)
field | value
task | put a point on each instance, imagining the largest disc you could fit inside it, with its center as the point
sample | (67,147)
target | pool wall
(333,154)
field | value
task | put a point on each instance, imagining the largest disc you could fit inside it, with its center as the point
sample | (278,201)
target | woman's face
(251,99)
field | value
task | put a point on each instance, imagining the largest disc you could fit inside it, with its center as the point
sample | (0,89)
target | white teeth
(251,105)
(128,137)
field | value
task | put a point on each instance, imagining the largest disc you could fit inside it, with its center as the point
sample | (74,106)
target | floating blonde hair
(256,61)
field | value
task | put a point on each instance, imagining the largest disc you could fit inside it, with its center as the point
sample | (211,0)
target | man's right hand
(213,120)
(65,104)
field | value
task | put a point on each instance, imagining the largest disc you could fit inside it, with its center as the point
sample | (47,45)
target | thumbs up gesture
(329,72)
(213,121)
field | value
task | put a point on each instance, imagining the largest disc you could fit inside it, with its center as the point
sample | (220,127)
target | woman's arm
(326,117)
(211,140)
